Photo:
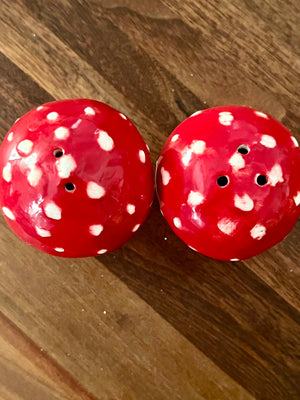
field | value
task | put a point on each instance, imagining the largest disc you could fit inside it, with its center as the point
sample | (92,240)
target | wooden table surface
(152,320)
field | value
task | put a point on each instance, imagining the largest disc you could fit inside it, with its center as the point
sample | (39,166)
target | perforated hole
(70,187)
(222,181)
(58,153)
(261,180)
(243,149)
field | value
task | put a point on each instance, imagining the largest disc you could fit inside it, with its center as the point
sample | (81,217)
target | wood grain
(152,320)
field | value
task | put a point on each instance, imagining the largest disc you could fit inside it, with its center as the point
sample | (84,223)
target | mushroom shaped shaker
(76,178)
(228,182)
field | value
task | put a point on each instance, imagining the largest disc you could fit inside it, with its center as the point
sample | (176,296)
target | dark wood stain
(176,324)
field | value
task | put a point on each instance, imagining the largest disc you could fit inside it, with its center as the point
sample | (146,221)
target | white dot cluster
(227,226)
(258,231)
(52,210)
(268,141)
(25,147)
(195,198)
(130,209)
(244,203)
(197,147)
(6,173)
(226,118)
(94,190)
(8,213)
(61,133)
(96,230)
(53,116)
(34,176)
(65,165)
(89,111)
(105,142)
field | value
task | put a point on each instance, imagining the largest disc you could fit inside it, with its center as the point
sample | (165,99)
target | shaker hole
(261,180)
(222,181)
(58,153)
(70,187)
(243,149)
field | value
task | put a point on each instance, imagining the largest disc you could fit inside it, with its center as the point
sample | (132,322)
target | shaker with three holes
(228,182)
(76,178)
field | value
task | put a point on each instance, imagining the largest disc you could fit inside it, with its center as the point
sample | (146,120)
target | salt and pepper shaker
(228,182)
(76,178)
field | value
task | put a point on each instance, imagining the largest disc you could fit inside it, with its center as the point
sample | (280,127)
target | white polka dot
(39,108)
(196,113)
(130,209)
(244,203)
(237,161)
(105,141)
(53,116)
(8,213)
(268,141)
(14,155)
(258,231)
(95,230)
(261,114)
(25,147)
(235,259)
(52,210)
(10,136)
(187,155)
(227,226)
(198,146)
(76,124)
(65,165)
(102,251)
(95,191)
(195,198)
(89,111)
(165,176)
(59,249)
(142,156)
(6,173)
(275,175)
(34,176)
(226,118)
(295,141)
(136,227)
(123,116)
(31,160)
(42,232)
(61,133)
(177,222)
(297,199)
(174,138)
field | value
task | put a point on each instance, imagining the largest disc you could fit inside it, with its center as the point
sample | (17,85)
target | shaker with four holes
(228,182)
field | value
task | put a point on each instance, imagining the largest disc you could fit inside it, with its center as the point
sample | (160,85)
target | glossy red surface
(76,178)
(240,148)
